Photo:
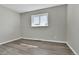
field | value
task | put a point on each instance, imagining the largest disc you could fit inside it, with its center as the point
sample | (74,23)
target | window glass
(39,20)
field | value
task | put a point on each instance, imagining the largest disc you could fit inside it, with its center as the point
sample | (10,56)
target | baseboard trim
(71,48)
(10,41)
(33,39)
(46,40)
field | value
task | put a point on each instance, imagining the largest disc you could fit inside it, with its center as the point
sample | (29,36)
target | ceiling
(20,8)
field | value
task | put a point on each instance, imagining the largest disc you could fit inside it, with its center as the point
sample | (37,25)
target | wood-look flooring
(34,47)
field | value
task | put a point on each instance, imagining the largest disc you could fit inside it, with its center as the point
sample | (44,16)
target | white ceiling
(20,8)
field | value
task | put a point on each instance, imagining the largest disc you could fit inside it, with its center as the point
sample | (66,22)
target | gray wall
(56,29)
(9,25)
(73,27)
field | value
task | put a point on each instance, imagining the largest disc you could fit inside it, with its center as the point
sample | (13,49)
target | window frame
(32,20)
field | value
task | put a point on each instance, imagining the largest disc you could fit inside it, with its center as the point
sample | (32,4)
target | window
(39,20)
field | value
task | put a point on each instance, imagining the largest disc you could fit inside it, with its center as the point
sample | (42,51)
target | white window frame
(39,25)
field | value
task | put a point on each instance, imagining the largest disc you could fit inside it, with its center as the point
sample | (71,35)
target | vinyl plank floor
(34,47)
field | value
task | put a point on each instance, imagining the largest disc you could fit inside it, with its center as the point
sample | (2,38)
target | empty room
(39,29)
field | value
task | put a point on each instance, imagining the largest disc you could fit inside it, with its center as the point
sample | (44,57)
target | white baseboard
(71,48)
(46,40)
(10,40)
(33,39)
